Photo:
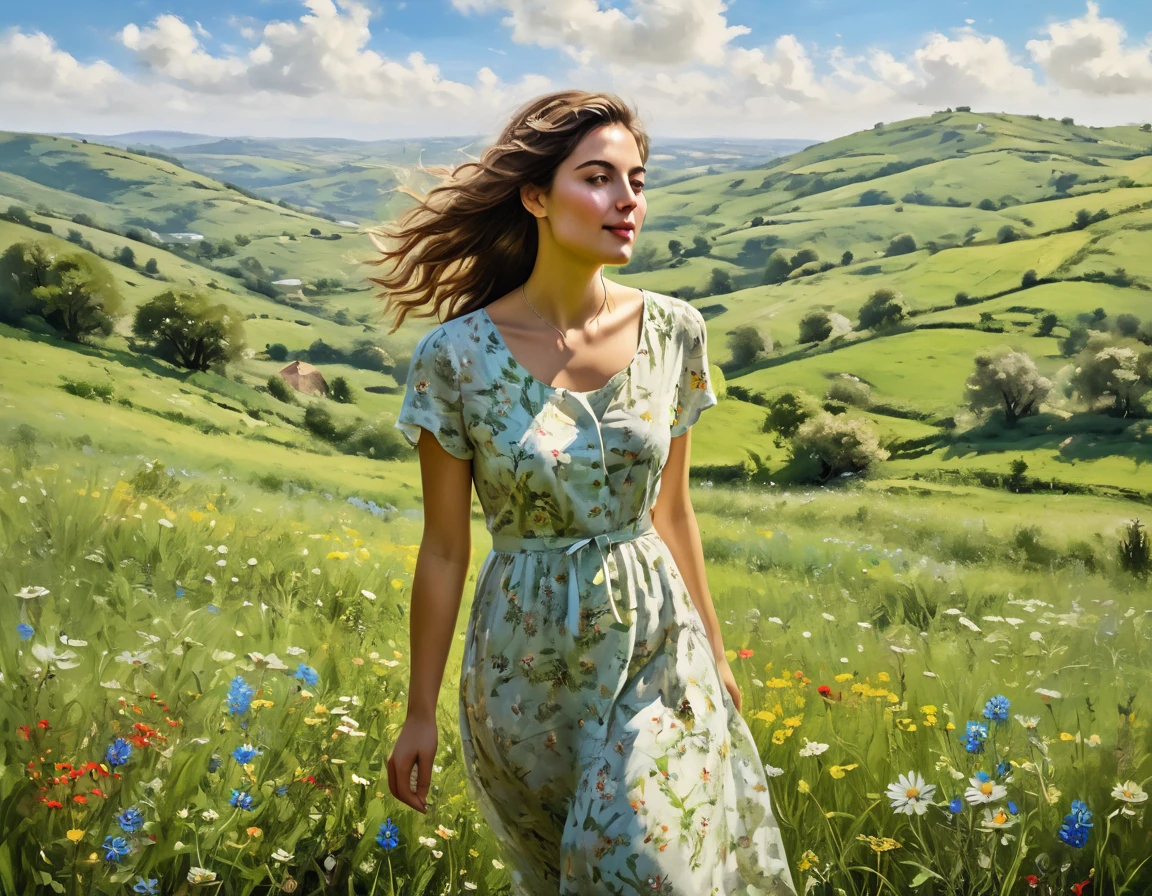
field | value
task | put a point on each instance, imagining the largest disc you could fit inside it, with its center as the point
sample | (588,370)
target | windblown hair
(470,239)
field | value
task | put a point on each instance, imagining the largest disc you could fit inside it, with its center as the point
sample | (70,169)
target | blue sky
(809,68)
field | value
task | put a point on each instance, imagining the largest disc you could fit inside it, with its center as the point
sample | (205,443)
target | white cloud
(661,32)
(35,70)
(786,72)
(1090,54)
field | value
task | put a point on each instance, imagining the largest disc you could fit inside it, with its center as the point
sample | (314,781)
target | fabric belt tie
(570,545)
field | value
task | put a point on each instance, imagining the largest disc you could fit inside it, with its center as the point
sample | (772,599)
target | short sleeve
(693,390)
(432,398)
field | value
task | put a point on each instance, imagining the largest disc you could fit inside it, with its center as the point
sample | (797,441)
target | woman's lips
(624,233)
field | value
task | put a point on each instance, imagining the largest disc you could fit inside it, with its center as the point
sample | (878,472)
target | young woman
(600,721)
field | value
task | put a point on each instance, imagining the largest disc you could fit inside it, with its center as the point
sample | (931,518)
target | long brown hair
(470,240)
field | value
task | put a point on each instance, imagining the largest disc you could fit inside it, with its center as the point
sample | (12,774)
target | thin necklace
(557,329)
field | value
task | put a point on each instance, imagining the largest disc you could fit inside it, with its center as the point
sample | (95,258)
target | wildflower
(115,848)
(246,753)
(996,709)
(1032,880)
(839,771)
(974,736)
(956,805)
(446,833)
(307,674)
(147,887)
(744,653)
(197,875)
(879,844)
(389,835)
(240,799)
(32,592)
(271,661)
(1029,722)
(25,631)
(118,752)
(210,815)
(812,748)
(75,835)
(61,659)
(130,820)
(239,695)
(281,856)
(996,820)
(911,794)
(1076,826)
(984,789)
(1129,792)
(1048,694)
(808,860)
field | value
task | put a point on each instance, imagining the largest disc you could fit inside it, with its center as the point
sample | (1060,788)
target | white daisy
(1130,792)
(911,794)
(812,748)
(32,591)
(983,791)
(1029,722)
(995,820)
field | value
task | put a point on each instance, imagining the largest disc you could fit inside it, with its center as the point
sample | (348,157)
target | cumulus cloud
(35,71)
(660,32)
(1090,54)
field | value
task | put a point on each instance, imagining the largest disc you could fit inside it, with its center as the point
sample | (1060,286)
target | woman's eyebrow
(638,168)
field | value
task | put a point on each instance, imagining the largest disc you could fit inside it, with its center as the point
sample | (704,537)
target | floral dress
(599,741)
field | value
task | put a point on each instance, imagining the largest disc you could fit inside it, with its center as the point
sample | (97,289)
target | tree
(745,345)
(778,268)
(757,221)
(846,258)
(1029,279)
(126,257)
(340,390)
(841,444)
(1048,323)
(1007,234)
(963,108)
(849,390)
(883,308)
(1007,380)
(788,410)
(187,329)
(815,326)
(23,267)
(675,247)
(242,240)
(900,245)
(315,231)
(151,267)
(18,214)
(1067,120)
(1127,324)
(803,257)
(277,351)
(700,245)
(719,283)
(79,298)
(1116,368)
(875,197)
(987,205)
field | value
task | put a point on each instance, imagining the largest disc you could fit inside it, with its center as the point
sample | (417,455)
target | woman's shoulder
(678,314)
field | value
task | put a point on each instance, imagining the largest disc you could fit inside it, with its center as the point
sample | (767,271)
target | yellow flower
(845,676)
(767,533)
(794,721)
(803,786)
(75,835)
(929,721)
(337,555)
(765,716)
(730,654)
(929,710)
(195,515)
(210,507)
(879,844)
(778,683)
(882,676)
(799,702)
(778,736)
(1094,740)
(808,860)
(949,727)
(839,771)
(892,698)
(1064,735)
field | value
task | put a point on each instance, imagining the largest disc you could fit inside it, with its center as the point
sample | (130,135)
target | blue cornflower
(1077,824)
(180,592)
(130,820)
(956,806)
(389,835)
(1002,768)
(996,709)
(240,799)
(982,776)
(118,753)
(26,631)
(246,753)
(307,674)
(115,848)
(974,736)
(145,886)
(240,695)
(1013,808)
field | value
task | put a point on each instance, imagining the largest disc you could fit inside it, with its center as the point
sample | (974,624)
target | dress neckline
(644,316)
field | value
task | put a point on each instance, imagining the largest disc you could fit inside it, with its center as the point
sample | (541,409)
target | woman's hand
(729,680)
(416,746)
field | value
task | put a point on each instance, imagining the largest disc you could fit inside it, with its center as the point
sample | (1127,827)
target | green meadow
(963,613)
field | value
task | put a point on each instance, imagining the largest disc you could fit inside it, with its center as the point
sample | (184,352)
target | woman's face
(600,184)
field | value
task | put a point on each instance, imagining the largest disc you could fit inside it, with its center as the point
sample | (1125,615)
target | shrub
(319,422)
(840,443)
(849,390)
(1029,279)
(84,389)
(1007,234)
(277,351)
(815,326)
(1007,381)
(280,390)
(187,329)
(1134,552)
(883,308)
(340,390)
(901,245)
(787,411)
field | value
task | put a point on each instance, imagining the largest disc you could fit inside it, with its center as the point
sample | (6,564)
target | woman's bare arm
(441,570)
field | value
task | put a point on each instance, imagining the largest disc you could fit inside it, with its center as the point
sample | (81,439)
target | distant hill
(992,230)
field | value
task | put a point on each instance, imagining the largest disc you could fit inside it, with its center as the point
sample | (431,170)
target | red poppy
(25,732)
(744,654)
(1082,887)
(1033,881)
(43,723)
(824,691)
(80,798)
(54,804)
